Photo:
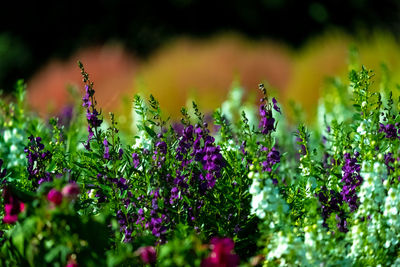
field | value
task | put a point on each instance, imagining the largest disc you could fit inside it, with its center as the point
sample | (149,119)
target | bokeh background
(182,50)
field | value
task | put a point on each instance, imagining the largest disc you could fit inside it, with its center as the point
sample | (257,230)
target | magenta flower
(55,196)
(147,254)
(12,211)
(72,264)
(221,254)
(12,207)
(70,191)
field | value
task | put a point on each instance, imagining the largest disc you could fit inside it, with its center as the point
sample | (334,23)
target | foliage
(201,193)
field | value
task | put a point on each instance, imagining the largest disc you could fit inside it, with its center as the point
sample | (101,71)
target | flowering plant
(245,188)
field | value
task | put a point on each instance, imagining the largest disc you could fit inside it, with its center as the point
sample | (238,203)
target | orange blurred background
(203,70)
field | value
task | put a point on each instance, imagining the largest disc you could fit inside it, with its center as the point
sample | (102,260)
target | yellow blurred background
(204,70)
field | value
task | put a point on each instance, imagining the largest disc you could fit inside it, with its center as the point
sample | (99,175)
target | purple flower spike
(351,179)
(273,157)
(274,102)
(106,149)
(389,130)
(267,121)
(136,161)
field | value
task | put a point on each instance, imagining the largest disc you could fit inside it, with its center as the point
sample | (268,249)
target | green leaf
(150,131)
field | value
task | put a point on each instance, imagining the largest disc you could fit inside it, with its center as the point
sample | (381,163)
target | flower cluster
(266,201)
(351,179)
(330,203)
(147,254)
(69,192)
(185,144)
(389,162)
(124,224)
(208,154)
(136,161)
(160,152)
(334,204)
(389,130)
(158,219)
(370,226)
(106,149)
(221,254)
(12,206)
(55,197)
(267,121)
(89,102)
(273,157)
(38,159)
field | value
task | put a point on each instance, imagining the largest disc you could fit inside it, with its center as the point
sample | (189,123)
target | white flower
(361,129)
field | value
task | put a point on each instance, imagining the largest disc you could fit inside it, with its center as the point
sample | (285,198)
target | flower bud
(70,191)
(55,196)
(147,254)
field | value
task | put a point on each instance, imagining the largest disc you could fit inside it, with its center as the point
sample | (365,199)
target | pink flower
(55,196)
(12,207)
(147,254)
(221,254)
(70,191)
(72,263)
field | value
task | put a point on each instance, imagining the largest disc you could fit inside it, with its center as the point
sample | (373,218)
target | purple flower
(330,203)
(185,143)
(162,147)
(174,195)
(86,98)
(242,148)
(274,102)
(93,119)
(100,196)
(92,115)
(46,178)
(156,227)
(178,128)
(267,121)
(351,179)
(273,157)
(120,153)
(389,161)
(135,158)
(160,152)
(37,161)
(342,224)
(106,149)
(389,130)
(302,150)
(66,115)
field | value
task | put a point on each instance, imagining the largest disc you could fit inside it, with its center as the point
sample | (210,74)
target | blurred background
(189,49)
